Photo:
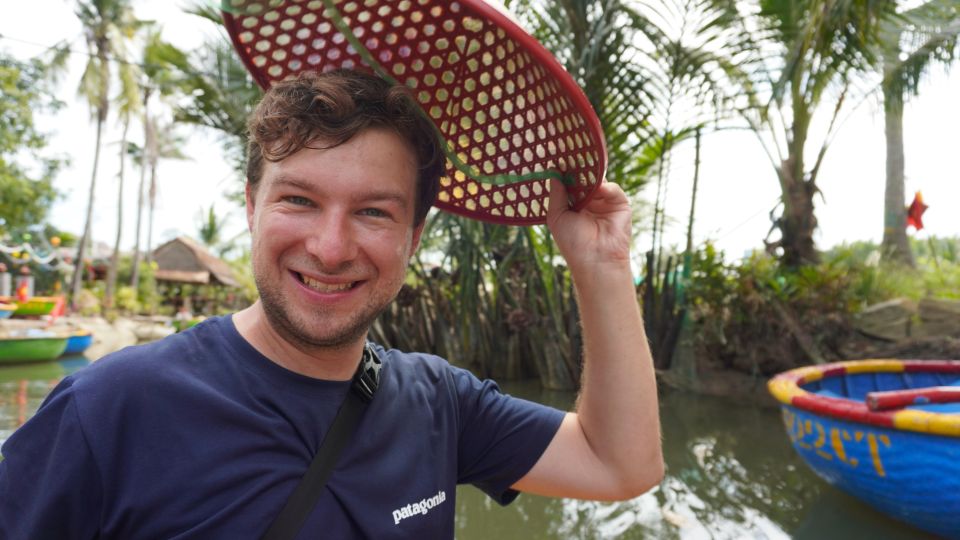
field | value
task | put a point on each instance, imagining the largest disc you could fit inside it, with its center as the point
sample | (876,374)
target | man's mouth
(325,287)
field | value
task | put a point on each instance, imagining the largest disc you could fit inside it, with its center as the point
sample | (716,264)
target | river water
(731,474)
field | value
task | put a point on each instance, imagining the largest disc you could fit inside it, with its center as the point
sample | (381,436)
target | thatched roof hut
(184,260)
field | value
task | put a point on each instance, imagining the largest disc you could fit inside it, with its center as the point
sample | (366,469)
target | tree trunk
(895,246)
(147,141)
(76,282)
(798,221)
(135,263)
(153,203)
(688,252)
(110,293)
(102,111)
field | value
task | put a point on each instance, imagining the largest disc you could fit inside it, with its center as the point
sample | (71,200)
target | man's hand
(596,235)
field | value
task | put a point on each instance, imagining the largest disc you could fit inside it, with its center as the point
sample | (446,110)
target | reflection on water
(731,474)
(24,386)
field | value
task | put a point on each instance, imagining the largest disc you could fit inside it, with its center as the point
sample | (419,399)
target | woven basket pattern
(509,116)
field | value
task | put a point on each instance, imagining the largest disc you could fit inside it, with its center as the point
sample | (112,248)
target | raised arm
(609,448)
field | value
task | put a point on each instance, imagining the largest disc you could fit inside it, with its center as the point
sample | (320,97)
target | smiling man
(207,433)
(333,229)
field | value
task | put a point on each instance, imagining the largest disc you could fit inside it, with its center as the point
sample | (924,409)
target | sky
(186,188)
(737,186)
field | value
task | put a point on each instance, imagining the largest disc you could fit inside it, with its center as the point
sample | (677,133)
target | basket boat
(885,431)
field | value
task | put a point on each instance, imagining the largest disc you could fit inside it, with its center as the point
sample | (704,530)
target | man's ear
(417,231)
(249,196)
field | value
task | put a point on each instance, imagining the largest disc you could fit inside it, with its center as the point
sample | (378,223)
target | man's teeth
(325,287)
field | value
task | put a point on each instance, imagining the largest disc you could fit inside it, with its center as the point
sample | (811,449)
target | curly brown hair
(332,107)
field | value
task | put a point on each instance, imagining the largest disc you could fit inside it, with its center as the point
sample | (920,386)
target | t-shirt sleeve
(49,485)
(501,437)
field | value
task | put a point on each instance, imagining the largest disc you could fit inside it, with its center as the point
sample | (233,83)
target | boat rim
(786,388)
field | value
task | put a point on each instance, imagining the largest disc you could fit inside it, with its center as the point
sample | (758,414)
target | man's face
(332,233)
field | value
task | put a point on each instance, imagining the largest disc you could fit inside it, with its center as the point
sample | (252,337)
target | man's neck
(327,364)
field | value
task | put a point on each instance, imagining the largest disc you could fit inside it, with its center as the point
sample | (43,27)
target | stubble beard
(309,333)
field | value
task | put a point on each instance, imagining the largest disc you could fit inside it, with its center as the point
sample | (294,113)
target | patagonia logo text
(422,507)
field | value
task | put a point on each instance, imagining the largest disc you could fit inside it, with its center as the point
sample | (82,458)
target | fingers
(610,192)
(558,201)
(607,197)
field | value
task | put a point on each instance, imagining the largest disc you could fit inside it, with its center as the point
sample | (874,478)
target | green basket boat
(35,306)
(31,347)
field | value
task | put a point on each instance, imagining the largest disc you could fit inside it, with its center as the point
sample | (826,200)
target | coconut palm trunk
(111,289)
(152,197)
(147,136)
(135,262)
(107,25)
(76,283)
(896,245)
(797,187)
(798,221)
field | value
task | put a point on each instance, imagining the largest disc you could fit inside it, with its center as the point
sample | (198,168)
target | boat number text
(830,443)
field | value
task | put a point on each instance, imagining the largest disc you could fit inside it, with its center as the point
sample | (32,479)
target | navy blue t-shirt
(200,436)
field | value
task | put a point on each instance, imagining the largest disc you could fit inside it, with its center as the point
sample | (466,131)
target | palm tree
(165,143)
(141,160)
(808,50)
(221,92)
(211,228)
(162,143)
(138,155)
(107,25)
(698,63)
(922,36)
(158,80)
(128,105)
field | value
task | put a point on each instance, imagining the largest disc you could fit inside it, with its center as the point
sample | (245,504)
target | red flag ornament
(915,212)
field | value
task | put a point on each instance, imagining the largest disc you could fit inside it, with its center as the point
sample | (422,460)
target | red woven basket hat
(508,114)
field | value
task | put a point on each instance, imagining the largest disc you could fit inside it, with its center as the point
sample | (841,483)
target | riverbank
(689,373)
(107,336)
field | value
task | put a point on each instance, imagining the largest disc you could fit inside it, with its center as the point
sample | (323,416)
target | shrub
(126,300)
(758,317)
(88,303)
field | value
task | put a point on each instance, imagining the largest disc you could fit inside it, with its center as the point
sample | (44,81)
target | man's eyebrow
(382,195)
(291,181)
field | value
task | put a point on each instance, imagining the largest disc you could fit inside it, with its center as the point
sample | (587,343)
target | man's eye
(295,199)
(373,212)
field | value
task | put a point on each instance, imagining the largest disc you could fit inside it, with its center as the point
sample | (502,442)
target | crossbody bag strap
(304,498)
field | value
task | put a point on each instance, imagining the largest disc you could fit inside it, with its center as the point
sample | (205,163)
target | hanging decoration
(915,212)
(47,257)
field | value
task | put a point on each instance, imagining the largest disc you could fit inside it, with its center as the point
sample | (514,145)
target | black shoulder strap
(291,519)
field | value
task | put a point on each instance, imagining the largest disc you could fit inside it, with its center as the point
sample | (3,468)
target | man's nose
(332,241)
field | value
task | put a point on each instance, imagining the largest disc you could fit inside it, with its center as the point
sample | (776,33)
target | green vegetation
(937,272)
(760,317)
(26,189)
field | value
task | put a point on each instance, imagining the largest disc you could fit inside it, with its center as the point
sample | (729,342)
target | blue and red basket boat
(78,342)
(885,431)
